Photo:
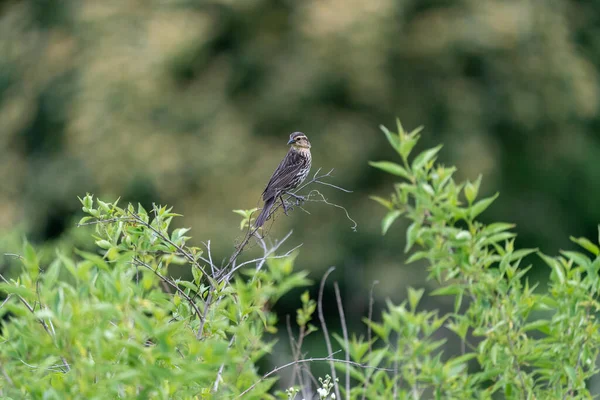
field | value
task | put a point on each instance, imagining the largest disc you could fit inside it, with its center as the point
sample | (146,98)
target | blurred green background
(190,103)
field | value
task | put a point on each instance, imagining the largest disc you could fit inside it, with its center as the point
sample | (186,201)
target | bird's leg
(299,199)
(283,204)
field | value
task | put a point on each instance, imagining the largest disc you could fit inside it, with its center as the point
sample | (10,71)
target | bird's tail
(264,214)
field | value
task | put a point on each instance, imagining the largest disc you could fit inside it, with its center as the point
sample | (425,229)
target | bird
(290,173)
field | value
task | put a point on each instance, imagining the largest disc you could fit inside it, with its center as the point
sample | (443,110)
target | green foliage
(117,326)
(526,343)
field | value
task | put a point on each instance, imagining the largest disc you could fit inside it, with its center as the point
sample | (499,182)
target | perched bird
(290,173)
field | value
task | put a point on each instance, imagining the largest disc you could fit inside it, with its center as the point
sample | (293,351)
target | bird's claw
(299,199)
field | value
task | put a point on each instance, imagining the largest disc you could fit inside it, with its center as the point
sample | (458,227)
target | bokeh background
(190,103)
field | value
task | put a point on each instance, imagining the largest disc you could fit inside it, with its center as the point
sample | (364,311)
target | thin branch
(324,200)
(325,331)
(172,284)
(53,368)
(333,186)
(296,352)
(190,258)
(8,380)
(220,373)
(395,378)
(30,308)
(106,221)
(309,360)
(207,304)
(6,300)
(41,321)
(212,265)
(293,347)
(338,299)
(239,248)
(20,257)
(369,334)
(262,259)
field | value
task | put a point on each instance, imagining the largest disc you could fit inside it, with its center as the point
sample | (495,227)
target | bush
(117,325)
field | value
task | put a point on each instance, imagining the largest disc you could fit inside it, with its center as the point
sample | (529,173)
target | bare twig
(325,331)
(324,200)
(297,352)
(20,257)
(338,299)
(396,383)
(212,265)
(293,347)
(309,360)
(369,334)
(6,300)
(239,248)
(53,368)
(207,305)
(220,373)
(8,380)
(262,259)
(333,186)
(296,347)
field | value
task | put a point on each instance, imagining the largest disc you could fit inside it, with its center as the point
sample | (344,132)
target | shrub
(117,325)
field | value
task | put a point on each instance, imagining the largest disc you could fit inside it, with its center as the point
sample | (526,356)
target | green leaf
(570,372)
(426,156)
(379,329)
(19,290)
(393,138)
(391,168)
(555,265)
(496,228)
(29,256)
(412,233)
(541,325)
(481,205)
(389,219)
(521,253)
(586,244)
(384,202)
(68,263)
(446,291)
(414,296)
(103,244)
(472,189)
(461,359)
(84,220)
(419,255)
(578,258)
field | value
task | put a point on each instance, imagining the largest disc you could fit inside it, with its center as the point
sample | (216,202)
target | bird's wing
(284,174)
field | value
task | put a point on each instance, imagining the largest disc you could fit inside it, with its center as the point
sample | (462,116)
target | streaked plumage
(290,173)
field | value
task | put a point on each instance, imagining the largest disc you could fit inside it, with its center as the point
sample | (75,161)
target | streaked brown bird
(290,173)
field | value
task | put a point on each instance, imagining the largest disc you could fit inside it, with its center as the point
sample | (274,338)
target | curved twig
(309,360)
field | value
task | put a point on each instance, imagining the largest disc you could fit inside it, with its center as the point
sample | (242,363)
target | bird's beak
(291,141)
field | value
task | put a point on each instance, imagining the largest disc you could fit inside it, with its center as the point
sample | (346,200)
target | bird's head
(299,141)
